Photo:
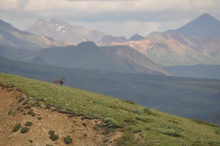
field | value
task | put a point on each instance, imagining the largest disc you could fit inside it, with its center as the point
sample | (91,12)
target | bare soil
(79,129)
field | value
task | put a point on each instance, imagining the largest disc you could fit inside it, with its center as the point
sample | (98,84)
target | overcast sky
(114,17)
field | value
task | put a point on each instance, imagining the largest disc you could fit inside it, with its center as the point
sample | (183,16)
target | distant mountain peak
(136,37)
(204,25)
(63,31)
(40,20)
(88,44)
(58,22)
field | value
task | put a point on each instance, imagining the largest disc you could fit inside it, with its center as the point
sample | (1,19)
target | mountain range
(14,37)
(172,49)
(197,42)
(88,55)
(63,31)
(85,55)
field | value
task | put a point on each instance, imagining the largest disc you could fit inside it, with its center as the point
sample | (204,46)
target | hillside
(89,56)
(63,31)
(195,71)
(12,36)
(13,52)
(89,118)
(186,97)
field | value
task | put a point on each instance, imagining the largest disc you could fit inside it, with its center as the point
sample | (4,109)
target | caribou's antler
(62,78)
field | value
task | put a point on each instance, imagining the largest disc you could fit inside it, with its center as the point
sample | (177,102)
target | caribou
(58,81)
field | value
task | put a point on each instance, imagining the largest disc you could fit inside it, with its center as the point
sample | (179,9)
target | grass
(153,126)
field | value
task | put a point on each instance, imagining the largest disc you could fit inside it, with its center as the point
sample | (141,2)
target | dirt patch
(80,129)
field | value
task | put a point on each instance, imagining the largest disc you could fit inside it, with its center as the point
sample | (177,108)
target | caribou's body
(58,81)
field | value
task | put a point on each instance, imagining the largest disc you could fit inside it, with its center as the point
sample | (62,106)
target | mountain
(172,49)
(39,113)
(204,25)
(109,39)
(88,55)
(136,37)
(63,31)
(11,36)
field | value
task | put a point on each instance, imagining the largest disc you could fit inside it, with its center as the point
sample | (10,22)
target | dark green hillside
(88,55)
(195,71)
(185,97)
(139,125)
(13,52)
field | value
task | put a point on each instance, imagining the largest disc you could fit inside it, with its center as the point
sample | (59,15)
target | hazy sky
(114,17)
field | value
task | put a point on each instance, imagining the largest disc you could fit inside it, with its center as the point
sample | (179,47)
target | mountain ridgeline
(89,56)
(204,25)
(63,31)
(11,36)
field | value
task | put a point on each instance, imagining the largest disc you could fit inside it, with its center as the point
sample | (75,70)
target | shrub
(110,122)
(26,101)
(24,129)
(217,131)
(170,133)
(130,121)
(96,128)
(31,113)
(145,120)
(18,107)
(68,139)
(21,99)
(27,107)
(28,123)
(10,112)
(149,112)
(17,127)
(105,140)
(212,142)
(54,137)
(51,132)
(84,124)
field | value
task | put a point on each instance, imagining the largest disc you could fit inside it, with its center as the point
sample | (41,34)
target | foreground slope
(185,97)
(116,122)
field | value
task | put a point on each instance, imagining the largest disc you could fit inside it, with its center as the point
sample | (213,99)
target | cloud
(22,3)
(110,14)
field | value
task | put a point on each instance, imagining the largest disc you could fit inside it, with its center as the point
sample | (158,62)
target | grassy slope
(155,127)
(194,95)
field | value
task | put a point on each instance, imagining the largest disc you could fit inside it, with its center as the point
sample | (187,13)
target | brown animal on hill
(58,81)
